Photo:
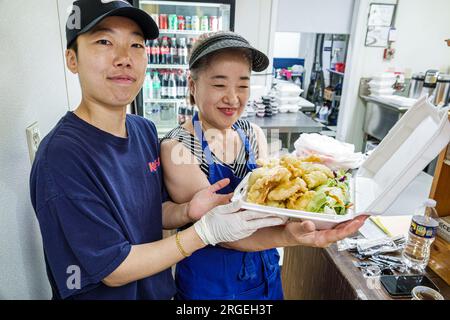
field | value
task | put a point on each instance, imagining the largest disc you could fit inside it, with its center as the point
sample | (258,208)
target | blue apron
(219,273)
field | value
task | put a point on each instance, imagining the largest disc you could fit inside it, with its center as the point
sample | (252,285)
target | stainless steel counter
(380,116)
(287,123)
(390,105)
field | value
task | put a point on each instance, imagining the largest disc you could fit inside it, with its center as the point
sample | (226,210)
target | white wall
(422,27)
(318,16)
(287,45)
(32,88)
(255,20)
(73,85)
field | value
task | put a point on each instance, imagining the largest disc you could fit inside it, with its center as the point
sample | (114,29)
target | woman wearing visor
(216,144)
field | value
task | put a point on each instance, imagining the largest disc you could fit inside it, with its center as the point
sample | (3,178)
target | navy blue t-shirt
(95,195)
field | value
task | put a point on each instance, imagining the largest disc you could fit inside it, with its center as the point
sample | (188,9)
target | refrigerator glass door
(165,94)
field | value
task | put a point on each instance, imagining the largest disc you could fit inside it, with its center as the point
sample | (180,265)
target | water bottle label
(422,231)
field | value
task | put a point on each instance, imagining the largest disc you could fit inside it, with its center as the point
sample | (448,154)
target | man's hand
(207,199)
(305,233)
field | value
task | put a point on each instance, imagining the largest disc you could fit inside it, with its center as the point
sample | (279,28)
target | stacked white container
(287,97)
(382,84)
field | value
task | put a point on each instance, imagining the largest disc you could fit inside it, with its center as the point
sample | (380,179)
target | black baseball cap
(86,14)
(216,41)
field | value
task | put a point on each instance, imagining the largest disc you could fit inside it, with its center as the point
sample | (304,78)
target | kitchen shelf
(165,100)
(168,66)
(336,72)
(187,32)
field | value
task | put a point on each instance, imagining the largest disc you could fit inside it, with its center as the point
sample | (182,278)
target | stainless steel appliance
(442,92)
(416,86)
(430,82)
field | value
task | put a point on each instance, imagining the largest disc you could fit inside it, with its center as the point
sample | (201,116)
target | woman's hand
(305,233)
(207,199)
(228,223)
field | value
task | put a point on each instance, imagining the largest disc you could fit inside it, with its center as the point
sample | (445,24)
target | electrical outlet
(33,139)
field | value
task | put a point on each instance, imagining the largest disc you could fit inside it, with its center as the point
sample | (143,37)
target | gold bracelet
(180,247)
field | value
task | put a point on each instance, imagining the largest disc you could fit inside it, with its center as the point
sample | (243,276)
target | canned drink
(155,18)
(173,22)
(181,23)
(195,23)
(213,23)
(163,21)
(220,23)
(204,23)
(188,22)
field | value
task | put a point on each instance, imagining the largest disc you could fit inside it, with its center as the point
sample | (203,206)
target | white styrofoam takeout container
(415,140)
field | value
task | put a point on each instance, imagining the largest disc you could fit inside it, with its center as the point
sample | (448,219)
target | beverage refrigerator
(164,98)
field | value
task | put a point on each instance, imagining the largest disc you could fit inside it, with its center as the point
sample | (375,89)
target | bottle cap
(430,203)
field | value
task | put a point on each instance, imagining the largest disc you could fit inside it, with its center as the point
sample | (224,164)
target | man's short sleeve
(83,242)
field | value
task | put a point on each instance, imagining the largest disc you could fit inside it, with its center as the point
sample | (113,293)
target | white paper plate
(321,220)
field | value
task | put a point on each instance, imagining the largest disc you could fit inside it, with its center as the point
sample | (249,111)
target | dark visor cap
(227,40)
(86,14)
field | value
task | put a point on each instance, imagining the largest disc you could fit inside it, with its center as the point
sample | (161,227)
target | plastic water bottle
(148,93)
(422,233)
(156,86)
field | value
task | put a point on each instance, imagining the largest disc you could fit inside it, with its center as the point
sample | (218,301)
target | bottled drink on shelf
(422,233)
(182,52)
(156,86)
(204,23)
(181,84)
(189,46)
(164,51)
(173,51)
(188,22)
(165,86)
(182,113)
(163,23)
(181,23)
(195,23)
(148,50)
(220,23)
(213,23)
(172,86)
(155,52)
(148,87)
(173,22)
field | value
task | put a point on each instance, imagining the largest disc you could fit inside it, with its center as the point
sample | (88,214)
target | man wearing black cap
(96,182)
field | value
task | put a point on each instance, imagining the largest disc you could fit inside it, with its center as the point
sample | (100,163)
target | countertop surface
(287,122)
(400,106)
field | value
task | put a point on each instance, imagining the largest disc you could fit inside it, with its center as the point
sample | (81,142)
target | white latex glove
(226,223)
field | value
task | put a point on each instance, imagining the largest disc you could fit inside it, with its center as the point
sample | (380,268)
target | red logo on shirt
(154,165)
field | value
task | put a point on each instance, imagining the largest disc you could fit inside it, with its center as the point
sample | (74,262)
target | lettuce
(317,202)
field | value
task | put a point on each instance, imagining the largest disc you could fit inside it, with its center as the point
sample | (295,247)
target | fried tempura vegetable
(308,167)
(311,158)
(315,179)
(293,164)
(259,190)
(256,174)
(286,190)
(302,202)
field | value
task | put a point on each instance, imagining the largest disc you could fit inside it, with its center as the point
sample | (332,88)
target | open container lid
(415,140)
